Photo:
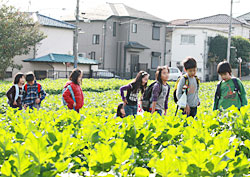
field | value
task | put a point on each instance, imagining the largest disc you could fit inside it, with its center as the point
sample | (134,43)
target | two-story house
(124,40)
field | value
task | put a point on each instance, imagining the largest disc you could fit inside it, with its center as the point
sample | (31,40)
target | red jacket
(78,96)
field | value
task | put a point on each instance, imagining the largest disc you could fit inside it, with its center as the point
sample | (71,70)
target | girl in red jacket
(75,83)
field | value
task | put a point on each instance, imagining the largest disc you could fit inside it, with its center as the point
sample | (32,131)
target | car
(174,73)
(104,74)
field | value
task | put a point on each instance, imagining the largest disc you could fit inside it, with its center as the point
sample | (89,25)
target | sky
(165,9)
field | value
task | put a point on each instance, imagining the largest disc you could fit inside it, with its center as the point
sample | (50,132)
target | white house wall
(198,50)
(58,40)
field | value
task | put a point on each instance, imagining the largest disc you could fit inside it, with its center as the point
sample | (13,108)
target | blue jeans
(130,110)
(159,112)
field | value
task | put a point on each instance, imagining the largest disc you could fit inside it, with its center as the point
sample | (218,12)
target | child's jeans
(130,110)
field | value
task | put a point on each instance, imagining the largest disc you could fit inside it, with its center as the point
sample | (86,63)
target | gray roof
(245,16)
(48,21)
(217,19)
(105,11)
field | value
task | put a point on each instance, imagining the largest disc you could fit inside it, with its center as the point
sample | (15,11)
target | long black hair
(137,83)
(118,113)
(74,75)
(159,71)
(17,78)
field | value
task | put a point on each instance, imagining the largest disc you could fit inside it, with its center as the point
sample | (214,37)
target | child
(15,93)
(230,91)
(192,88)
(120,111)
(75,83)
(33,92)
(133,89)
(160,92)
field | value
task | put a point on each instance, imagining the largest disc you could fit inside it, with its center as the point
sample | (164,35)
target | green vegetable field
(54,141)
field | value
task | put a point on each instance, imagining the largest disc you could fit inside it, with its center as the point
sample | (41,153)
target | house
(57,44)
(124,40)
(61,65)
(191,37)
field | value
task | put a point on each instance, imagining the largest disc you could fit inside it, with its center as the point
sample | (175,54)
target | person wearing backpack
(160,91)
(230,91)
(72,94)
(188,83)
(15,93)
(131,100)
(33,93)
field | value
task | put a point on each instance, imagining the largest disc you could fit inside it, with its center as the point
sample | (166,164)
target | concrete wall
(85,39)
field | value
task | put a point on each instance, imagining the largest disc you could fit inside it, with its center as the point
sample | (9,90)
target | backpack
(186,83)
(17,93)
(38,89)
(147,95)
(72,94)
(218,91)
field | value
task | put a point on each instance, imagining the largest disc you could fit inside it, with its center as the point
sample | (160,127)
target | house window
(156,33)
(199,70)
(8,74)
(155,60)
(92,55)
(41,74)
(187,39)
(134,28)
(114,29)
(96,39)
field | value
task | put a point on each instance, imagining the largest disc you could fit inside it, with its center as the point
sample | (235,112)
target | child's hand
(199,103)
(14,103)
(38,100)
(187,110)
(25,106)
(74,105)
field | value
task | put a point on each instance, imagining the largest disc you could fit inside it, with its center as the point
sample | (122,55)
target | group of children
(154,98)
(230,91)
(31,94)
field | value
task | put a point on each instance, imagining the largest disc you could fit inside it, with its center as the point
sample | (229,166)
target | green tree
(218,50)
(18,35)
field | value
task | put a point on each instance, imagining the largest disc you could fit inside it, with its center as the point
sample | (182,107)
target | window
(173,70)
(134,28)
(155,60)
(187,39)
(96,39)
(8,74)
(156,33)
(92,55)
(114,29)
(199,70)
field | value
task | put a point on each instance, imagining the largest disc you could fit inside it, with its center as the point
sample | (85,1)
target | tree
(18,35)
(218,50)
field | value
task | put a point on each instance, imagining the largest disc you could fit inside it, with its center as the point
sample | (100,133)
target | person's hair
(189,63)
(137,83)
(224,67)
(118,113)
(159,71)
(74,75)
(17,77)
(30,76)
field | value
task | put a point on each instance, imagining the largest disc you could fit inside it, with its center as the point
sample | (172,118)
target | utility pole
(229,32)
(76,32)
